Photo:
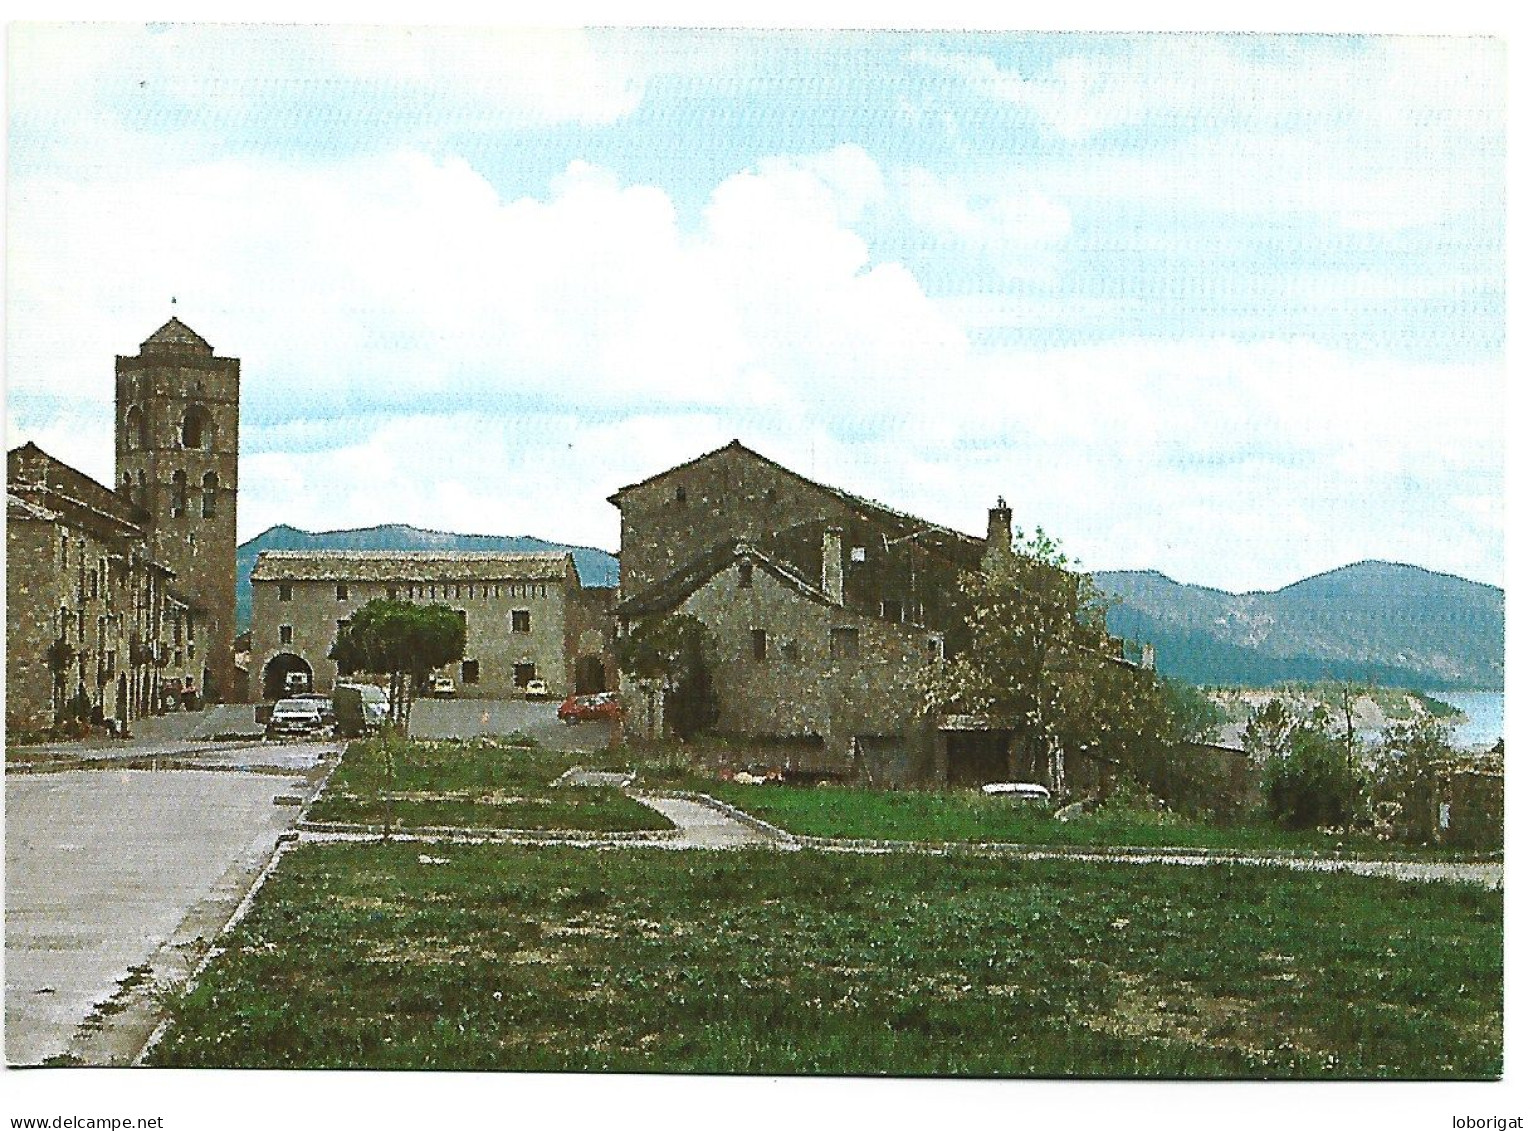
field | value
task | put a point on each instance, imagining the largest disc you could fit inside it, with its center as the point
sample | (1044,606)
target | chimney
(998,532)
(830,567)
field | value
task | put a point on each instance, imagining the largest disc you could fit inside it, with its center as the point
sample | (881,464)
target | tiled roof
(671,590)
(19,508)
(857,502)
(178,333)
(428,565)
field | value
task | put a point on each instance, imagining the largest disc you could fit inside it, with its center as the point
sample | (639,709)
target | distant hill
(1395,625)
(597,568)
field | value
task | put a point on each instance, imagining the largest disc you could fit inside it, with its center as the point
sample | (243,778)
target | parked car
(323,702)
(442,687)
(295,716)
(589,708)
(360,708)
(1017,790)
(295,682)
(536,689)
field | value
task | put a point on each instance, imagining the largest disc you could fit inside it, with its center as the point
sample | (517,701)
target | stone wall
(779,672)
(489,609)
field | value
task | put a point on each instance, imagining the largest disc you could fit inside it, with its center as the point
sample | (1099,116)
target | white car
(536,689)
(1018,790)
(295,716)
(442,687)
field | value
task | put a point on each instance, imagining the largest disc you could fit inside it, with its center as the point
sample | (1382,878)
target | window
(521,674)
(934,648)
(209,494)
(197,429)
(285,634)
(747,571)
(178,494)
(135,434)
(470,671)
(790,650)
(63,551)
(284,591)
(342,593)
(843,644)
(681,494)
(758,644)
(521,620)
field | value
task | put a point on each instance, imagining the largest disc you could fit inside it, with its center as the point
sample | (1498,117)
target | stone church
(121,598)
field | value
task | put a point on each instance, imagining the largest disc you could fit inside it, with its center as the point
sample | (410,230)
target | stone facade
(835,688)
(94,625)
(522,613)
(893,566)
(825,607)
(177,446)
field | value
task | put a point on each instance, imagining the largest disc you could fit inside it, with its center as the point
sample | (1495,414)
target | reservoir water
(1485,710)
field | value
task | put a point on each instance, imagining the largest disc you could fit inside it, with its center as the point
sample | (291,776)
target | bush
(1311,782)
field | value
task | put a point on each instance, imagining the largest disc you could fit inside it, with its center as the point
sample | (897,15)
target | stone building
(525,614)
(178,415)
(824,607)
(894,566)
(95,626)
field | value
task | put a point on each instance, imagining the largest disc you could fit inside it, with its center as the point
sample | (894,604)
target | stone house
(525,614)
(815,687)
(824,607)
(94,623)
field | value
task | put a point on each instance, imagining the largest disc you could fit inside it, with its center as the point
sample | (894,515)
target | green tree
(402,640)
(676,650)
(1039,659)
(1400,791)
(1308,775)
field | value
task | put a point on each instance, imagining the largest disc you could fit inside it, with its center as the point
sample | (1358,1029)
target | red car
(585,708)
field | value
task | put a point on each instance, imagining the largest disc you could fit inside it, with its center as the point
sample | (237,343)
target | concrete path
(703,826)
(117,879)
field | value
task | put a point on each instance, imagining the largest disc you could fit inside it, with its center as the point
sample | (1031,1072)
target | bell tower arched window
(197,429)
(209,494)
(135,430)
(178,494)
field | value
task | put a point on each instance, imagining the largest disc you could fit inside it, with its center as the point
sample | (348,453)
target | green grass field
(475,784)
(767,962)
(968,816)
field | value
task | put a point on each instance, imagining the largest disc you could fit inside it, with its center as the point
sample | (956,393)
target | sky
(1231,307)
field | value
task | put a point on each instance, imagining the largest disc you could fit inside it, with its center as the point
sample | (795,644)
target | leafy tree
(402,640)
(1308,776)
(677,651)
(1041,661)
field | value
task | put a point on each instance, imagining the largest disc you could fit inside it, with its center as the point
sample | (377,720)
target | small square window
(521,620)
(284,592)
(758,644)
(285,634)
(470,671)
(342,592)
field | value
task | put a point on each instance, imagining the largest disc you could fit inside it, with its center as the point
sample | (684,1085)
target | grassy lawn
(766,962)
(482,783)
(968,816)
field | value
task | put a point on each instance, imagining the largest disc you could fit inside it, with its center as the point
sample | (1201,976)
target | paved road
(469,718)
(110,869)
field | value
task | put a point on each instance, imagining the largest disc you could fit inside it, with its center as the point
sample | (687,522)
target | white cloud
(1382,133)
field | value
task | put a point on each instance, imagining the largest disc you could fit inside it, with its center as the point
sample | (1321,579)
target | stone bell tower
(178,436)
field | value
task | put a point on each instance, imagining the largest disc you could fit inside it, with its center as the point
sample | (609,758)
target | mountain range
(1378,622)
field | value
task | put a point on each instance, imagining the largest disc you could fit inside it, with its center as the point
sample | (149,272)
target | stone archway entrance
(274,678)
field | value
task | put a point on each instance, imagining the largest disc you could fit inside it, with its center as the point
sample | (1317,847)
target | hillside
(597,568)
(1395,625)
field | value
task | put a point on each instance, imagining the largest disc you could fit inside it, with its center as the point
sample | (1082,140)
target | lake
(1485,710)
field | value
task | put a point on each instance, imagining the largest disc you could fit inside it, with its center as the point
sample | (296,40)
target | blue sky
(1232,307)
